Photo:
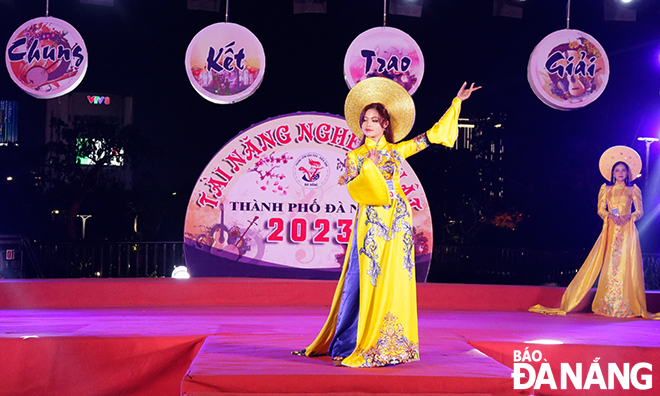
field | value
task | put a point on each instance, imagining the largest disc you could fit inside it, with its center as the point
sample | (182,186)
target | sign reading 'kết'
(225,63)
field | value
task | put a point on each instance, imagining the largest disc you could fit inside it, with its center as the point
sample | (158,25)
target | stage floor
(245,349)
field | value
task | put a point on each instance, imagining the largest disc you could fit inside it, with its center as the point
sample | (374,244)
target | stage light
(180,272)
(649,141)
(626,1)
(9,178)
(651,192)
(84,223)
(545,342)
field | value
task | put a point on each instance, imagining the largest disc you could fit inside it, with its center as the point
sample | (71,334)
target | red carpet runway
(203,337)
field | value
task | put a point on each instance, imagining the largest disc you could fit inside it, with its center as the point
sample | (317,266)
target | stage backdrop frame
(268,203)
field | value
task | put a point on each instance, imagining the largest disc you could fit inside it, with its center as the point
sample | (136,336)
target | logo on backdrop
(270,198)
(46,57)
(225,63)
(568,70)
(385,52)
(311,170)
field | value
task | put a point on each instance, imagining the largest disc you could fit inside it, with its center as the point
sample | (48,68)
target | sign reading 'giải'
(568,70)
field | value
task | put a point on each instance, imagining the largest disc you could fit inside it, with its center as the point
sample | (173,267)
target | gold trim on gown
(616,257)
(387,330)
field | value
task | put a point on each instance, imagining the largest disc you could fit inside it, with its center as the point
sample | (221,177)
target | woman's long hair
(384,118)
(612,181)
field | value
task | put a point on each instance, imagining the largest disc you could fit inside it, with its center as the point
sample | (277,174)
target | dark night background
(137,48)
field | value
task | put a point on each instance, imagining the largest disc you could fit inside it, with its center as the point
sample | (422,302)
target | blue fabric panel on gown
(343,344)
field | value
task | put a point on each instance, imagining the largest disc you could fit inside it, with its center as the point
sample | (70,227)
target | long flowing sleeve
(445,131)
(412,146)
(602,202)
(367,186)
(442,132)
(637,201)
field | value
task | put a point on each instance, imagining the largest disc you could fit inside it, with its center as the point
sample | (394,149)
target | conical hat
(620,154)
(392,95)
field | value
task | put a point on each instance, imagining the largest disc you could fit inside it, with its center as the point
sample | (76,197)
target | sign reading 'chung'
(46,57)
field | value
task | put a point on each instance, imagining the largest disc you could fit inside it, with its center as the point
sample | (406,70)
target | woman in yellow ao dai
(616,255)
(373,318)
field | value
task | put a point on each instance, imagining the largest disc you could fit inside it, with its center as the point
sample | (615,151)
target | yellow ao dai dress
(616,257)
(373,318)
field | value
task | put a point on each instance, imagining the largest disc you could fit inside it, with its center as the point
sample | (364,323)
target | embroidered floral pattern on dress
(375,227)
(613,303)
(397,157)
(409,243)
(369,250)
(350,174)
(400,214)
(392,346)
(388,165)
(379,229)
(401,223)
(382,230)
(421,142)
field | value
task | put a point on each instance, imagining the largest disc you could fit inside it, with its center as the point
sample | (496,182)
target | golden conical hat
(620,153)
(392,95)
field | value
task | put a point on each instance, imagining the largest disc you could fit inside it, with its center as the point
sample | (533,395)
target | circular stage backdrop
(268,203)
(46,57)
(385,52)
(225,63)
(568,69)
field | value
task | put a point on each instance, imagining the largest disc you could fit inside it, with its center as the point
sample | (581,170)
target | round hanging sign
(568,69)
(225,63)
(385,52)
(46,57)
(269,204)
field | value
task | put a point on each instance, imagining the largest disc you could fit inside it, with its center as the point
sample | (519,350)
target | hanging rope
(384,12)
(568,14)
(227,11)
(47,6)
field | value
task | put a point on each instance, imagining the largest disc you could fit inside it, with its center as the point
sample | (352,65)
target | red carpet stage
(210,336)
